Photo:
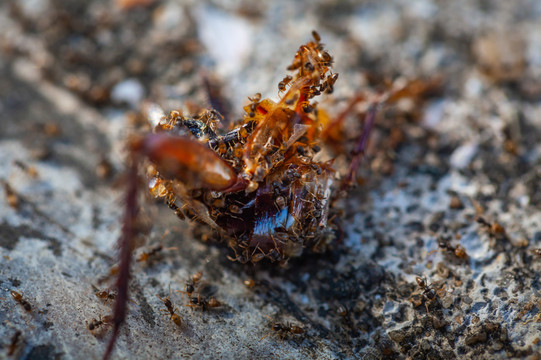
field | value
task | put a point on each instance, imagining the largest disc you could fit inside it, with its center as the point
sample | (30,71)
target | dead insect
(282,329)
(428,293)
(95,324)
(14,343)
(170,308)
(19,298)
(258,187)
(202,303)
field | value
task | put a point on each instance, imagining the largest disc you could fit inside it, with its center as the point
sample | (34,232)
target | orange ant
(11,195)
(494,229)
(283,329)
(256,98)
(19,298)
(253,105)
(105,295)
(29,170)
(282,84)
(249,283)
(113,271)
(154,251)
(170,308)
(203,303)
(97,323)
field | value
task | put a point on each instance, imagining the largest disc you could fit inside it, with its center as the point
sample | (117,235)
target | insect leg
(360,146)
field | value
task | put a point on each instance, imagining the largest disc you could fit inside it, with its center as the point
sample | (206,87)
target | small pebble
(129,91)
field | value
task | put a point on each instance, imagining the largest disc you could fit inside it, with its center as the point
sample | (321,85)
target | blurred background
(75,78)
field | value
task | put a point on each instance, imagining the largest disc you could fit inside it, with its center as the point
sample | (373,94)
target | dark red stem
(125,245)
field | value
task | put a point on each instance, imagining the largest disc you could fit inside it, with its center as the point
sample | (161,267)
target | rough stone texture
(86,67)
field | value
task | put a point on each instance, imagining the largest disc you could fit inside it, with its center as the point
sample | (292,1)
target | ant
(11,195)
(282,84)
(283,329)
(445,245)
(191,284)
(170,308)
(342,311)
(250,185)
(105,295)
(494,229)
(29,170)
(254,102)
(19,298)
(154,251)
(249,283)
(428,293)
(203,303)
(97,323)
(113,271)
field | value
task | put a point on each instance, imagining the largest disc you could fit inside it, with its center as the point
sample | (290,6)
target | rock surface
(74,76)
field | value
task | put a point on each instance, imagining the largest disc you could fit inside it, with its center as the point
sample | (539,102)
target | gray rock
(62,154)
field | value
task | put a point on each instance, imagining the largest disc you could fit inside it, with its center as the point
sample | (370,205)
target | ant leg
(341,232)
(332,128)
(125,244)
(217,102)
(178,212)
(360,147)
(414,89)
